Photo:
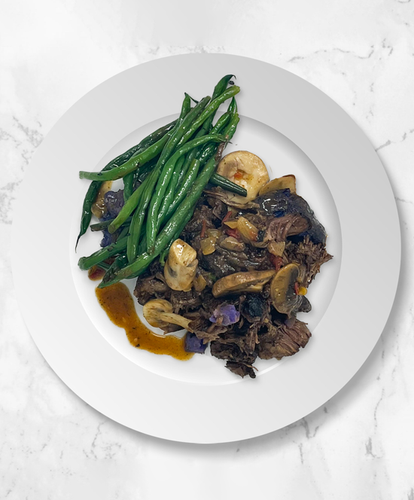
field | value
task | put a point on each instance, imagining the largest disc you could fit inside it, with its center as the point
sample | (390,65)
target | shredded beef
(279,228)
(311,255)
(283,340)
(149,288)
(261,330)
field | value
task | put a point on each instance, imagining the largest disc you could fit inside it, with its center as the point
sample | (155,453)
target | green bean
(186,165)
(218,90)
(148,141)
(94,187)
(180,216)
(143,157)
(135,227)
(218,127)
(185,106)
(221,122)
(187,183)
(137,222)
(128,207)
(129,166)
(100,226)
(232,106)
(194,152)
(180,128)
(129,179)
(167,151)
(169,196)
(223,182)
(103,253)
(120,261)
(142,173)
(128,185)
(134,199)
(163,182)
(139,215)
(209,110)
(103,265)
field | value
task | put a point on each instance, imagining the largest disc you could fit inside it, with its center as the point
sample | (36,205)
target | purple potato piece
(225,314)
(194,344)
(108,238)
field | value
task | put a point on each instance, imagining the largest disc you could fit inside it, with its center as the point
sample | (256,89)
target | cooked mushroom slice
(245,169)
(158,313)
(252,281)
(285,182)
(181,266)
(285,289)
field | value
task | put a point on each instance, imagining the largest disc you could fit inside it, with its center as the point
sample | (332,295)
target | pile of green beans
(163,176)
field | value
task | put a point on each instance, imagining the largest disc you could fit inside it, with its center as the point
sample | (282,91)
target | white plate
(295,128)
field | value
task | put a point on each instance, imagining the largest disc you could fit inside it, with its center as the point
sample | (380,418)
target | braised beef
(238,361)
(311,255)
(283,340)
(283,202)
(254,307)
(280,228)
(151,287)
(261,331)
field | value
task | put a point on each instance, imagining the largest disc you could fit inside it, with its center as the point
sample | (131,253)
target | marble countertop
(360,444)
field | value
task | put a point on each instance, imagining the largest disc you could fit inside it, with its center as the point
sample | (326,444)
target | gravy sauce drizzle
(118,304)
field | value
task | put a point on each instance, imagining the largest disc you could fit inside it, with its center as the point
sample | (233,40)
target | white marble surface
(360,445)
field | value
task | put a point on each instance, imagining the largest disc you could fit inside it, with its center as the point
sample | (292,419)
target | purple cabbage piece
(225,314)
(194,344)
(114,201)
(108,238)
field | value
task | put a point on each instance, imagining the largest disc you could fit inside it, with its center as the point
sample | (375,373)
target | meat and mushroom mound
(238,276)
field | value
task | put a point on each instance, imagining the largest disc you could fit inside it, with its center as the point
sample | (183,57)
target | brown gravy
(120,308)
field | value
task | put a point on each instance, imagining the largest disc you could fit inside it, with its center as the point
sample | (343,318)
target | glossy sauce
(120,308)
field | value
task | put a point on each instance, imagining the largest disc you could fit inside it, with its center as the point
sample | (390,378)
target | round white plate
(294,128)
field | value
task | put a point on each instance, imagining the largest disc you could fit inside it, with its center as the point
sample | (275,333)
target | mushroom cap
(251,281)
(283,289)
(158,313)
(181,266)
(284,182)
(245,169)
(153,311)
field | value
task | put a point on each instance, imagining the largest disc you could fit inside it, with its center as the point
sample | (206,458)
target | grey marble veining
(360,444)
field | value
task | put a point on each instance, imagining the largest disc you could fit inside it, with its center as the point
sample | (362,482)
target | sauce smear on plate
(119,305)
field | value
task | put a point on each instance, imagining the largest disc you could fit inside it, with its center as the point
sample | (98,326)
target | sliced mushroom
(158,313)
(245,169)
(252,281)
(285,182)
(285,289)
(181,266)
